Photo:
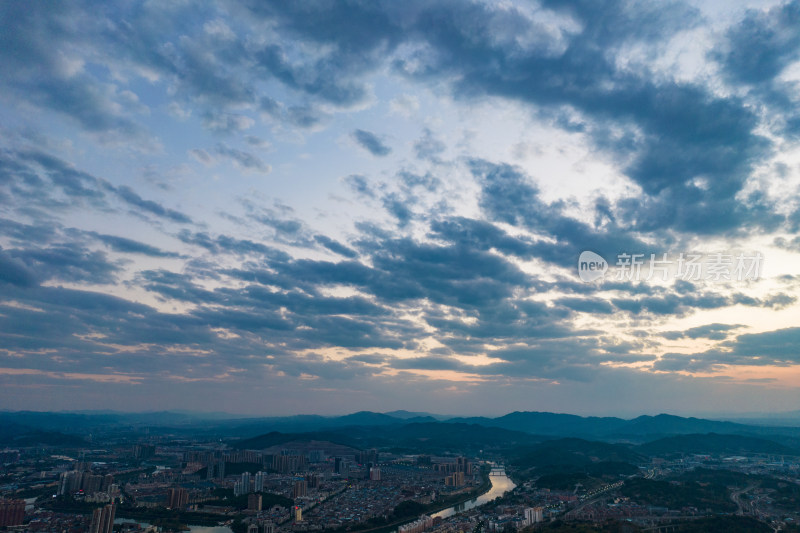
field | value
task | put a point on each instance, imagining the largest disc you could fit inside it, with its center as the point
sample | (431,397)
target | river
(501,484)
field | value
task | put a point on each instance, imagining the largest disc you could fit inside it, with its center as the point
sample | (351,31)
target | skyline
(271,208)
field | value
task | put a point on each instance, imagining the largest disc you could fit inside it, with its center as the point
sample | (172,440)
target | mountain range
(532,423)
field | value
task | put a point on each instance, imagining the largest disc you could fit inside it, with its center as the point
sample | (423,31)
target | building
(455,480)
(367,456)
(287,464)
(258,481)
(534,515)
(216,470)
(417,526)
(300,489)
(12,512)
(103,519)
(374,474)
(91,483)
(177,498)
(69,482)
(144,451)
(298,514)
(254,502)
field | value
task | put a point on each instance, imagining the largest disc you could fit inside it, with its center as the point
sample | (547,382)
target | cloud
(131,246)
(15,272)
(770,348)
(763,44)
(429,147)
(371,143)
(243,160)
(360,185)
(709,331)
(130,197)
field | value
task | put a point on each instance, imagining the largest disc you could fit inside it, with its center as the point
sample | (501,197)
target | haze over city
(273,208)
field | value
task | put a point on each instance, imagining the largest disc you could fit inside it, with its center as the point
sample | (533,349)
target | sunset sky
(322,207)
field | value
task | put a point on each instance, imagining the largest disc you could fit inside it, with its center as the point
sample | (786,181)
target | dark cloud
(335,246)
(65,262)
(763,44)
(14,271)
(371,143)
(360,185)
(131,246)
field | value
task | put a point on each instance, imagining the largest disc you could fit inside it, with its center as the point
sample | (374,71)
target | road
(736,496)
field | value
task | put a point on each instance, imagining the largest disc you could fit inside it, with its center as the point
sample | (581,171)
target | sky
(274,207)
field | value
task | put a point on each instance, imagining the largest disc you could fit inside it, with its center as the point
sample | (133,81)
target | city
(153,478)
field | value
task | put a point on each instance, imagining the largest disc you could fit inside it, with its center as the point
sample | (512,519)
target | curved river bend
(501,484)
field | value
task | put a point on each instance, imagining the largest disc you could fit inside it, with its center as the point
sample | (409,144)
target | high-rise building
(177,498)
(268,527)
(298,514)
(12,512)
(316,456)
(70,482)
(216,470)
(367,456)
(91,483)
(258,481)
(534,515)
(144,451)
(286,464)
(254,502)
(375,474)
(300,489)
(103,519)
(245,482)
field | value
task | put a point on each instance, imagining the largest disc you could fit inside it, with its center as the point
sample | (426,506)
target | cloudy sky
(294,207)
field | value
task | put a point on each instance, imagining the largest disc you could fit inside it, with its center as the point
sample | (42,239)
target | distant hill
(713,443)
(426,437)
(675,425)
(565,454)
(14,435)
(539,424)
(407,415)
(639,429)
